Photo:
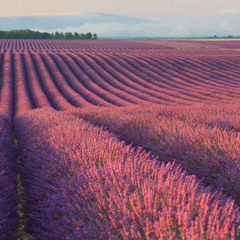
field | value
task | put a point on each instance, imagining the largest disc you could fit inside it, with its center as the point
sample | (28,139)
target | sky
(169,17)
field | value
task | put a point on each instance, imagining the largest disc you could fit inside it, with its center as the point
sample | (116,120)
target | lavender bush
(81,182)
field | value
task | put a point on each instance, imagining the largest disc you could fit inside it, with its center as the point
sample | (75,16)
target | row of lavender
(8,165)
(106,83)
(76,44)
(203,139)
(63,81)
(80,182)
(120,44)
(8,181)
(169,78)
(113,81)
(174,52)
(233,44)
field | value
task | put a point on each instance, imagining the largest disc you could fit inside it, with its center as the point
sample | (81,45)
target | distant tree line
(29,34)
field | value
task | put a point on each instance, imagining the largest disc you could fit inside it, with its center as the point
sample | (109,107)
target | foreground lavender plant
(80,182)
(8,185)
(204,140)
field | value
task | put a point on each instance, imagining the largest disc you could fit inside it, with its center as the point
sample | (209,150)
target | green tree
(88,35)
(68,35)
(76,35)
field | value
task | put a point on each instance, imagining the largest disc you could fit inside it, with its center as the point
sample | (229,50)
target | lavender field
(119,139)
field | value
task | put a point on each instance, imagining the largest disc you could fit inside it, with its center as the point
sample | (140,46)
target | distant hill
(64,21)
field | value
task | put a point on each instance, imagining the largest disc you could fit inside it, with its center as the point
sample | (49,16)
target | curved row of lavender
(68,80)
(62,77)
(8,182)
(81,182)
(203,139)
(6,86)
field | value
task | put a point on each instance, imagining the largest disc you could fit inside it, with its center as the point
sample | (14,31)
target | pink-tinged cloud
(230,10)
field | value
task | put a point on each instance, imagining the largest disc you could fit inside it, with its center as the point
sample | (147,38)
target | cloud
(166,27)
(115,26)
